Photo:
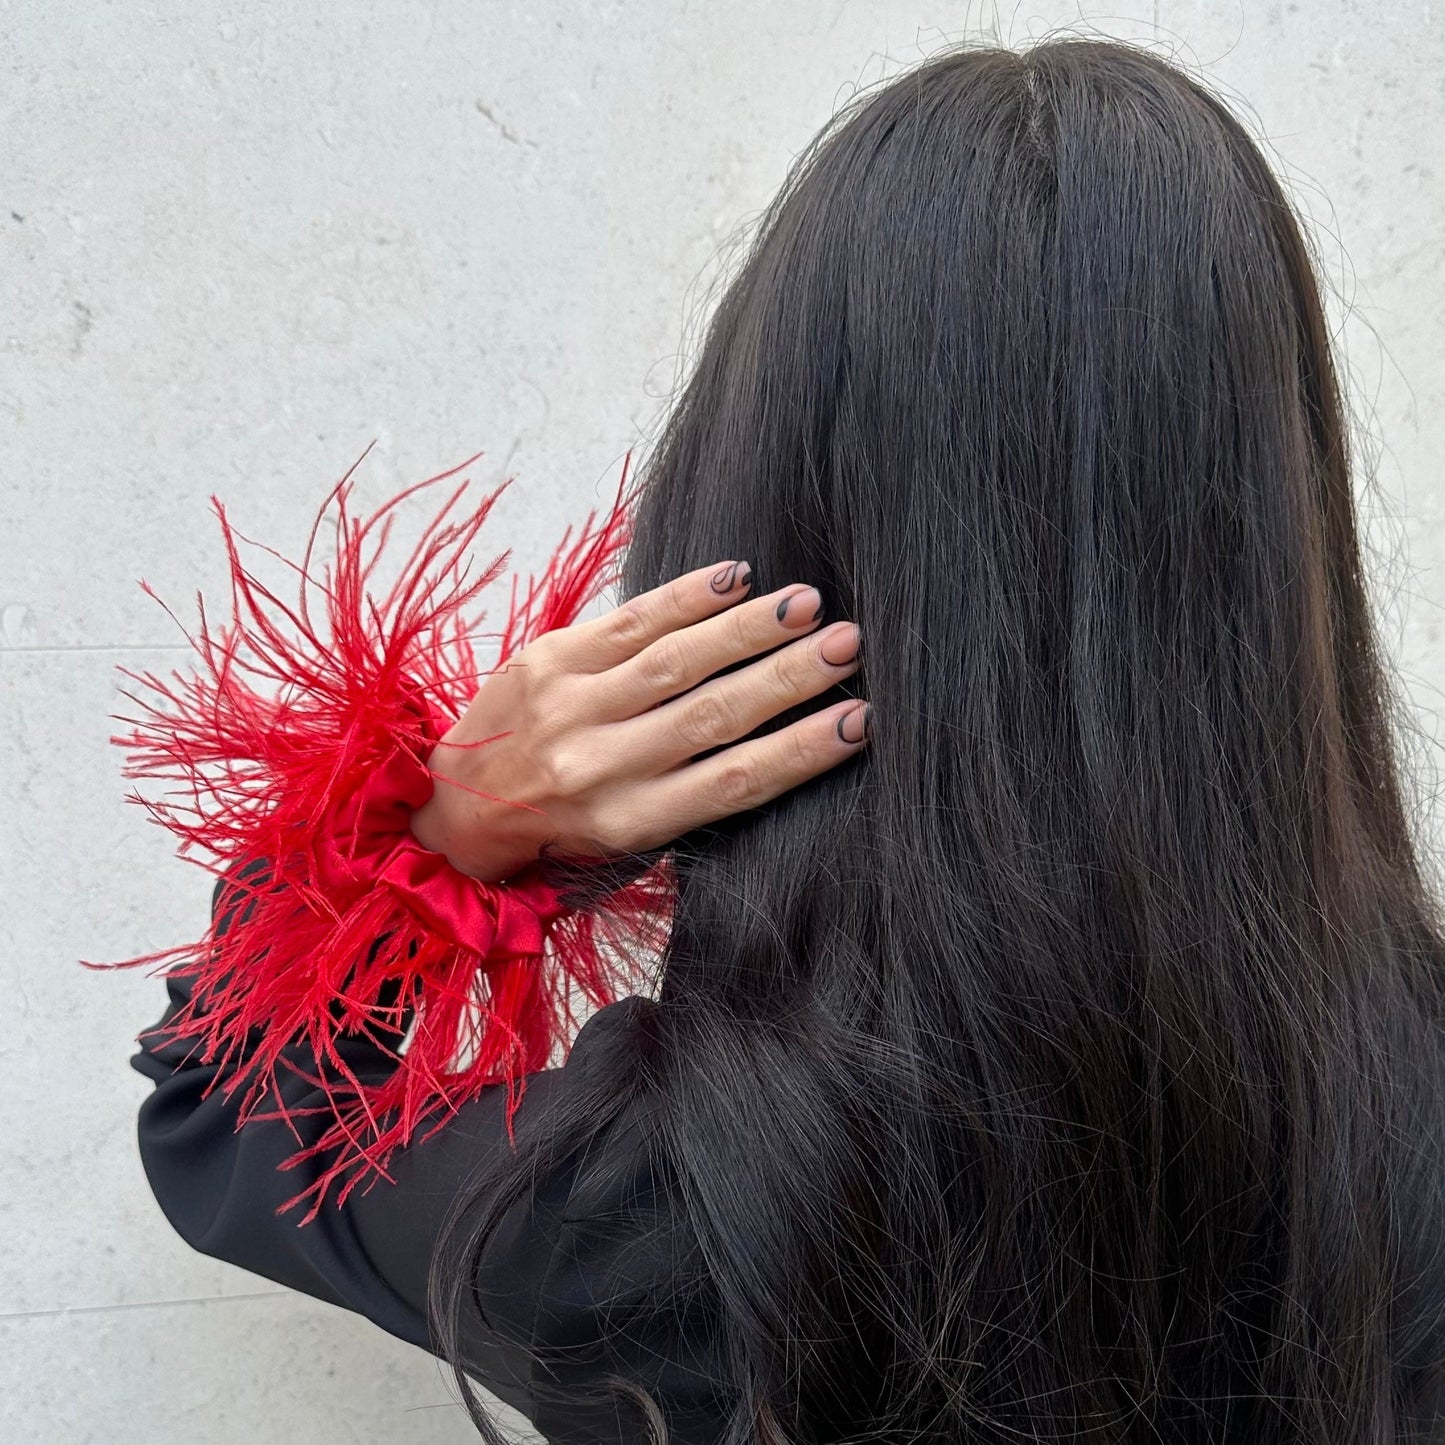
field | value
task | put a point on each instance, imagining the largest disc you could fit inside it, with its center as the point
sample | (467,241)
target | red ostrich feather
(298,744)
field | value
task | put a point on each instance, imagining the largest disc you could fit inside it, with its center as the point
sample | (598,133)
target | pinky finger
(752,773)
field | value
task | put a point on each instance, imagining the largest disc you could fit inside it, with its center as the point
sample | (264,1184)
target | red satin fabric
(366,842)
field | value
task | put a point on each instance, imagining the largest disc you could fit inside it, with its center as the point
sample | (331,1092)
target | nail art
(728,578)
(838,661)
(792,597)
(861,713)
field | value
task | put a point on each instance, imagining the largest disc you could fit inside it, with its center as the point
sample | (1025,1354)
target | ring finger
(729,707)
(755,772)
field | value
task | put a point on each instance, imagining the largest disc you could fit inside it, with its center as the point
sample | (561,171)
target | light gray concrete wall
(240,242)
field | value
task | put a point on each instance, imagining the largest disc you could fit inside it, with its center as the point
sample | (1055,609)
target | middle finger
(729,707)
(685,657)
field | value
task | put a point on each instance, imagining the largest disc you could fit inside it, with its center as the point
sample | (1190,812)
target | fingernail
(839,648)
(854,722)
(730,577)
(800,607)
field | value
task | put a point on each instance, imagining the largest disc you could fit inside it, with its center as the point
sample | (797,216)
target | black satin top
(575,1281)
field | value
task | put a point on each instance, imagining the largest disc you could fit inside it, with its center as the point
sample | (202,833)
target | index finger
(620,634)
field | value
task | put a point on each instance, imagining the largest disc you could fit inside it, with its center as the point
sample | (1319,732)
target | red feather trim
(301,742)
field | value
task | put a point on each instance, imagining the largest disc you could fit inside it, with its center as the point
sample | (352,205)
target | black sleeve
(220,1187)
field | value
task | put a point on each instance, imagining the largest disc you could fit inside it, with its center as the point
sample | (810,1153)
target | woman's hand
(599,724)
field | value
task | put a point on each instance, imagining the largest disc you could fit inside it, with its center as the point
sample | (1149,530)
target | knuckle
(540,675)
(746,628)
(737,784)
(570,773)
(793,674)
(662,669)
(538,659)
(679,608)
(802,755)
(627,624)
(704,720)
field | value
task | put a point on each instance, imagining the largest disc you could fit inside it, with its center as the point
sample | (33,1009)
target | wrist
(448,823)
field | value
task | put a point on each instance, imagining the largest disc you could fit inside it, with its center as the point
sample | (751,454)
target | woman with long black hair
(1058,1061)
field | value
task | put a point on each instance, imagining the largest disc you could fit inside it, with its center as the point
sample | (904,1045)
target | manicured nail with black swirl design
(731,577)
(799,609)
(853,722)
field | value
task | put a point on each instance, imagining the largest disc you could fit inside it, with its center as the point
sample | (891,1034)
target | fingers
(757,771)
(682,659)
(622,633)
(729,707)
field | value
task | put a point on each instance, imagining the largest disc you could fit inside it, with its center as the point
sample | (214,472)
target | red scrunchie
(366,842)
(299,742)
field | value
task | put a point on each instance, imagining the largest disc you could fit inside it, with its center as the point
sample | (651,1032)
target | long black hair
(1067,1065)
